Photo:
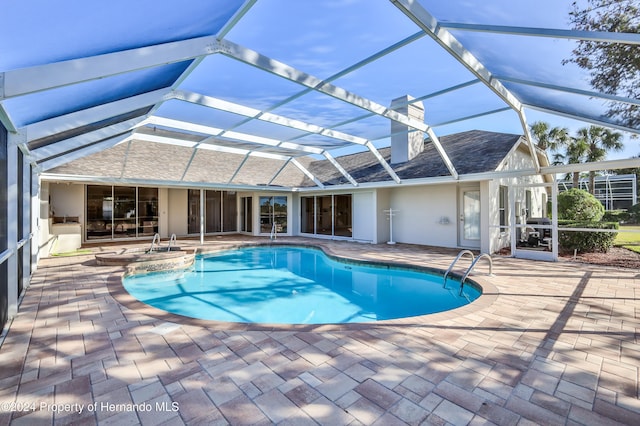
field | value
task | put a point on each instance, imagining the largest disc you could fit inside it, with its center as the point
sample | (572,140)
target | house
(136,189)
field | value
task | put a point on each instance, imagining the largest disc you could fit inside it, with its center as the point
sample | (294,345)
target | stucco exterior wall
(67,200)
(364,218)
(383,200)
(163,212)
(420,213)
(178,211)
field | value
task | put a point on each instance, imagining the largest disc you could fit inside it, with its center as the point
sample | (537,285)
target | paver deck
(548,343)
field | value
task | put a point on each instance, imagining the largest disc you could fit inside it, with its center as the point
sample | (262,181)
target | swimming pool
(295,285)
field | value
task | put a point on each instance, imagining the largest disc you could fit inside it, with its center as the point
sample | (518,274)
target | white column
(554,220)
(201,216)
(25,198)
(35,220)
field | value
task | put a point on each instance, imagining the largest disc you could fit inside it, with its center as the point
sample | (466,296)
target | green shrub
(619,216)
(634,213)
(586,241)
(578,205)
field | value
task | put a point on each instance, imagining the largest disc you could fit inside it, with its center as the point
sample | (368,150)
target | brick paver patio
(548,343)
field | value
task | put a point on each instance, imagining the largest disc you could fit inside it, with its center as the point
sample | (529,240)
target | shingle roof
(474,151)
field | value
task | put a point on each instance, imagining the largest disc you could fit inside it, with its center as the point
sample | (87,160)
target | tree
(597,142)
(590,144)
(614,67)
(549,138)
(574,154)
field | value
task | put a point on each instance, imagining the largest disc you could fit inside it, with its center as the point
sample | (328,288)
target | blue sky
(320,38)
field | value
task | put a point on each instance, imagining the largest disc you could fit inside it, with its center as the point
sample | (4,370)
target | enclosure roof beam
(256,114)
(83,151)
(92,115)
(589,93)
(237,16)
(207,146)
(471,117)
(596,36)
(341,169)
(58,148)
(280,69)
(584,118)
(418,14)
(34,79)
(277,173)
(244,160)
(307,172)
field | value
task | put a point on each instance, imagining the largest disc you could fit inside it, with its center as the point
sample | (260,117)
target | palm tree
(597,142)
(548,138)
(576,153)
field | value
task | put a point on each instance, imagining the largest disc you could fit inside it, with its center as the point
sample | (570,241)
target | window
(502,208)
(273,214)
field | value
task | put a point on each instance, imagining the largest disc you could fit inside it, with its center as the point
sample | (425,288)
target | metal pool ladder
(462,253)
(153,243)
(172,242)
(486,256)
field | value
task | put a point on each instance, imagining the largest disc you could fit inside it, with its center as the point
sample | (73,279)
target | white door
(469,217)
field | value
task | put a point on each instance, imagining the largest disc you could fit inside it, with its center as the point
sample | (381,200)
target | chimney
(406,142)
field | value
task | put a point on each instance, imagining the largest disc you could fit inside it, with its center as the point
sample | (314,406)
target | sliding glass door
(327,215)
(147,211)
(124,212)
(220,211)
(117,212)
(342,212)
(213,211)
(307,215)
(99,215)
(246,214)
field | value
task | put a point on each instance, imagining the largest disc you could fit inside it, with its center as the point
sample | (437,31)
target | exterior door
(469,217)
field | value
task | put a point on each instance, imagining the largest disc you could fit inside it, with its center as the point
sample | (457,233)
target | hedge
(619,216)
(586,242)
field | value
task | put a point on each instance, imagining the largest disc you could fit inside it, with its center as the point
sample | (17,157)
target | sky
(320,38)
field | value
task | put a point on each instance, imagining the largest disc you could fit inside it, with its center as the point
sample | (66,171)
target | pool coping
(487,298)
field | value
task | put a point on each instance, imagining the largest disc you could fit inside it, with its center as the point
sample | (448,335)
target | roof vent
(406,142)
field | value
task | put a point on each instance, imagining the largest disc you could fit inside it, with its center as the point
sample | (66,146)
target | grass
(628,240)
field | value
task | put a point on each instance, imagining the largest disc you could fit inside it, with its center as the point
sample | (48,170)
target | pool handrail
(172,242)
(153,242)
(485,255)
(462,253)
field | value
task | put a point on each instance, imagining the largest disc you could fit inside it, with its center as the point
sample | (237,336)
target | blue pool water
(295,285)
